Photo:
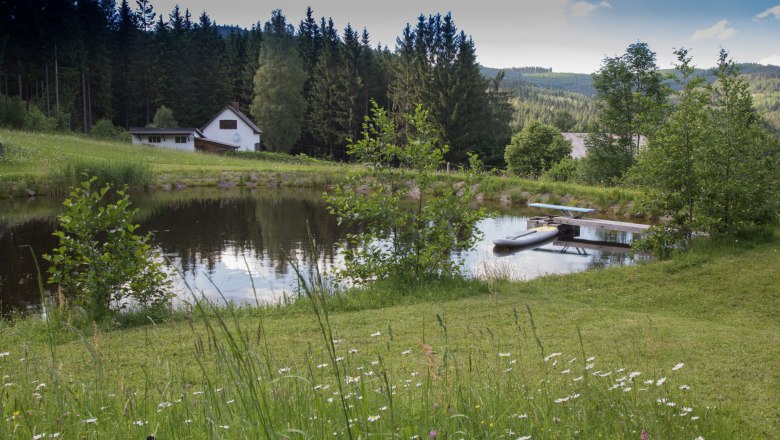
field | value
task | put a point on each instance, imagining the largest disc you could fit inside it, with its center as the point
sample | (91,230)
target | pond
(221,242)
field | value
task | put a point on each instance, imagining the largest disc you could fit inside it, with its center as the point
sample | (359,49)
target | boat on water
(527,238)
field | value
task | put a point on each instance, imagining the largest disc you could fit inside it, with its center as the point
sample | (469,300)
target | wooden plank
(609,225)
(561,207)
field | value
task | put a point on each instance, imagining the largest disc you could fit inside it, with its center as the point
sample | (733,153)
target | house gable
(232,126)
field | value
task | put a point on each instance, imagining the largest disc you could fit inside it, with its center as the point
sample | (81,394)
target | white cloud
(771,11)
(583,9)
(771,59)
(720,30)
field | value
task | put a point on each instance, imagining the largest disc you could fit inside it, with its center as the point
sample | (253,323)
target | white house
(230,126)
(177,138)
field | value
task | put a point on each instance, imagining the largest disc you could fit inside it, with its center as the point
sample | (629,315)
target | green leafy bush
(404,235)
(535,149)
(564,171)
(105,129)
(101,264)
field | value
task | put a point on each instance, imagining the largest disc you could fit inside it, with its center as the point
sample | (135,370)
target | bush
(403,239)
(100,263)
(105,129)
(163,118)
(564,171)
(535,150)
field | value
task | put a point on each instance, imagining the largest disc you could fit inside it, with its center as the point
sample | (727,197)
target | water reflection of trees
(266,226)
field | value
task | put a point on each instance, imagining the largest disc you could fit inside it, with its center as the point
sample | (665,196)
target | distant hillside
(542,92)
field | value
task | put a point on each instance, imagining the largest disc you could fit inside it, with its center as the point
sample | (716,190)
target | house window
(155,139)
(181,139)
(228,124)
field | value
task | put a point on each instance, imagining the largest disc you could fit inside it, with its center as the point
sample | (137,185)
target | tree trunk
(48,98)
(56,80)
(84,103)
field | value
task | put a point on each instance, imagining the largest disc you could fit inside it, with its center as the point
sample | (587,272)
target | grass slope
(481,365)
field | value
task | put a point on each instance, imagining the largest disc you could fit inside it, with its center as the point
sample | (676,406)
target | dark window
(155,139)
(181,139)
(228,124)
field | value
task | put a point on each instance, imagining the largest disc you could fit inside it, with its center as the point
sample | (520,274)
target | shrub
(105,129)
(535,149)
(101,264)
(399,238)
(163,118)
(564,171)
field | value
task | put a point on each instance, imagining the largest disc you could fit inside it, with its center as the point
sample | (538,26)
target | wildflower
(415,373)
(590,359)
(670,404)
(572,360)
(338,341)
(57,434)
(678,366)
(140,423)
(39,436)
(660,381)
(687,409)
(92,421)
(351,380)
(620,370)
(634,374)
(353,351)
(589,366)
(508,370)
(384,408)
(374,335)
(322,365)
(163,405)
(4,354)
(374,363)
(525,437)
(432,435)
(224,426)
(562,399)
(696,418)
(501,355)
(188,421)
(330,400)
(197,393)
(551,355)
(40,385)
(284,370)
(340,358)
(373,418)
(626,389)
(230,401)
(576,379)
(699,437)
(684,388)
(645,435)
(405,352)
(649,382)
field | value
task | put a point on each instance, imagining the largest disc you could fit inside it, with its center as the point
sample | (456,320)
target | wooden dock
(595,223)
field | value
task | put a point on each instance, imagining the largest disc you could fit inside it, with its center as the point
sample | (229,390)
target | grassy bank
(38,163)
(680,349)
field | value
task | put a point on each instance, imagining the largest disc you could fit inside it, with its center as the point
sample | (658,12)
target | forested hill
(543,93)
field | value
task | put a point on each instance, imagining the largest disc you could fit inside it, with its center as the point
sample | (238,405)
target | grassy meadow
(49,163)
(679,349)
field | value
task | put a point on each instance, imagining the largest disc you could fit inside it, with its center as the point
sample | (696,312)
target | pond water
(222,242)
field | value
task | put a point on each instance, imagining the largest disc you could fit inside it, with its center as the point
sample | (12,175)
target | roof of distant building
(164,131)
(238,113)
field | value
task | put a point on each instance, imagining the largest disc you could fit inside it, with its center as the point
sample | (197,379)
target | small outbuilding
(176,138)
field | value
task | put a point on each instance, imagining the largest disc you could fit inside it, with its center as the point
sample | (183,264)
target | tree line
(69,64)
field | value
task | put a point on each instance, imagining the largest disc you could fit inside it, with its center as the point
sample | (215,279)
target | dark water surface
(223,241)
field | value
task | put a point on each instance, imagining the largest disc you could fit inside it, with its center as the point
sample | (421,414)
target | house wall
(168,141)
(246,137)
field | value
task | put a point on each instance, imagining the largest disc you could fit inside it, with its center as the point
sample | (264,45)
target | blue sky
(569,36)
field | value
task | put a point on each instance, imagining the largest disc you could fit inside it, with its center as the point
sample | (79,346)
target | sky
(565,35)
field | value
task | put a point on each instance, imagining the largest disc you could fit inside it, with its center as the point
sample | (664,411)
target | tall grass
(132,174)
(228,381)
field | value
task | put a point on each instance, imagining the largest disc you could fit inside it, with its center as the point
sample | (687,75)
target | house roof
(238,114)
(164,131)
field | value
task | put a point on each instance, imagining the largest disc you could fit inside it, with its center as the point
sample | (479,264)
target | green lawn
(461,368)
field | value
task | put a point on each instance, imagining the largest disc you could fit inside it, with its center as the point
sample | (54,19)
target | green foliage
(404,235)
(15,113)
(105,129)
(100,263)
(711,167)
(163,118)
(535,150)
(566,170)
(112,172)
(630,95)
(279,105)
